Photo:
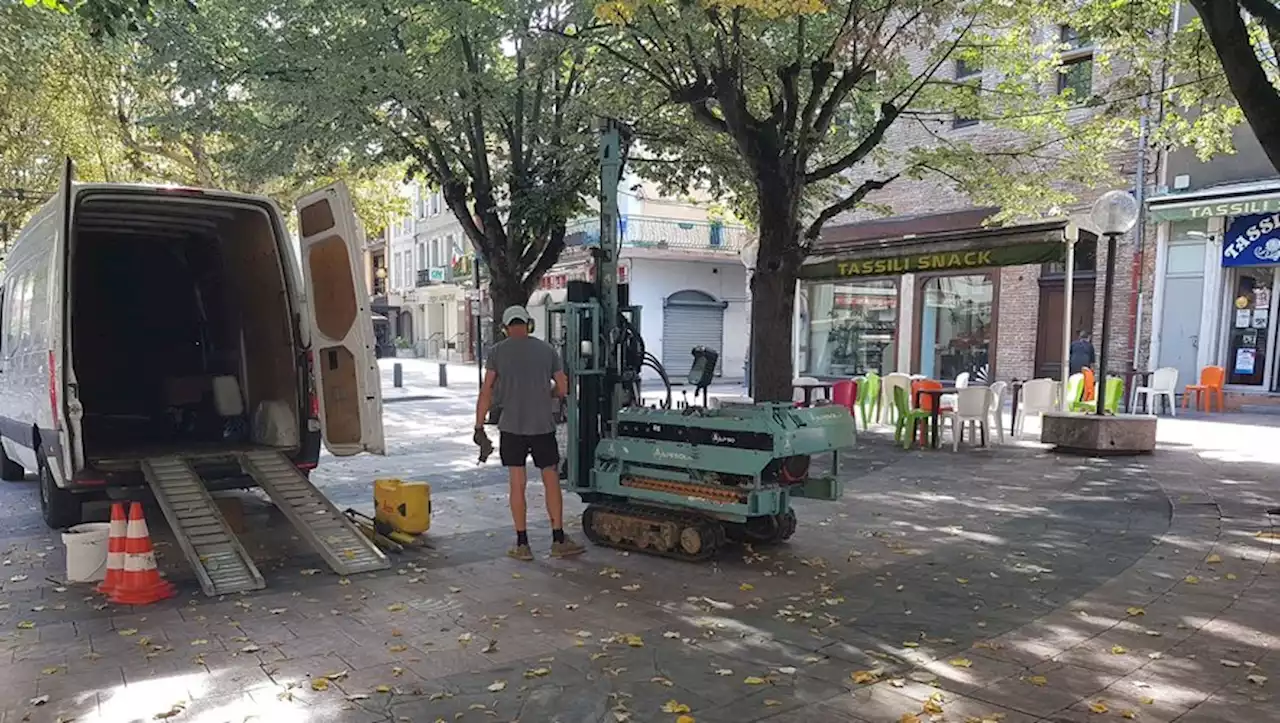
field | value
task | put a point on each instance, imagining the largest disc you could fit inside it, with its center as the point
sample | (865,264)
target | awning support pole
(1069,291)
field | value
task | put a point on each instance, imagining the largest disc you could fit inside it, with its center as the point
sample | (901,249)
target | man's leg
(513,449)
(546,455)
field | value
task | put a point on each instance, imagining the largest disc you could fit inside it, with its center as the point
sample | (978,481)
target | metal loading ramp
(322,525)
(219,560)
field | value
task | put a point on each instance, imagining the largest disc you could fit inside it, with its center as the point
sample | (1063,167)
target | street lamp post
(749,253)
(1114,213)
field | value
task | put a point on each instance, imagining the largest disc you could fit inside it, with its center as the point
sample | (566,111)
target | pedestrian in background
(1081,353)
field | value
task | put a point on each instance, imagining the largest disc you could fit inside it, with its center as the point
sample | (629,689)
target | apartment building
(1000,316)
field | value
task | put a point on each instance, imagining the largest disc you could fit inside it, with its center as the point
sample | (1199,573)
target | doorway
(1053,294)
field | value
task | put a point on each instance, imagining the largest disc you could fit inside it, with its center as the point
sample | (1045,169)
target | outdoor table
(1016,386)
(935,407)
(809,387)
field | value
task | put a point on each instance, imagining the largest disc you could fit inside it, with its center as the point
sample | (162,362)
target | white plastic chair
(997,408)
(888,410)
(1038,397)
(962,382)
(972,408)
(1164,383)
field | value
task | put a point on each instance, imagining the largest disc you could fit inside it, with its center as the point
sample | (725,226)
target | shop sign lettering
(1252,241)
(1239,208)
(922,262)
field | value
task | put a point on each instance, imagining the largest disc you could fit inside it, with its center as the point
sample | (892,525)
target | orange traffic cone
(115,550)
(142,584)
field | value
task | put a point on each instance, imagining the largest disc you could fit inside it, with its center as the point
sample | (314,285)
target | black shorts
(514,449)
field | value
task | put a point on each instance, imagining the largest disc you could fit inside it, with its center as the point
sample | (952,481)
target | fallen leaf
(1038,680)
(1134,612)
(1147,701)
(909,718)
(1229,663)
(724,672)
(464,638)
(1118,650)
(1231,576)
(671,635)
(865,676)
(490,647)
(382,689)
(357,697)
(631,588)
(635,641)
(770,703)
(537,673)
(395,607)
(1213,559)
(311,571)
(1257,679)
(174,711)
(52,670)
(199,641)
(787,670)
(39,700)
(910,644)
(1191,580)
(571,606)
(497,685)
(686,719)
(1130,714)
(1098,707)
(674,706)
(961,662)
(962,580)
(746,587)
(17,578)
(455,589)
(932,707)
(129,631)
(754,680)
(441,695)
(26,625)
(319,684)
(398,648)
(250,649)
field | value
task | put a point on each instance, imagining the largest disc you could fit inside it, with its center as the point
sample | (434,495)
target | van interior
(182,336)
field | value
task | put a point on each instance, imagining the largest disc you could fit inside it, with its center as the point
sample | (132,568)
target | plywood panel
(341,395)
(333,287)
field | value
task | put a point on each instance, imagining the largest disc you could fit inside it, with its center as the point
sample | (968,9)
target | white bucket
(87,551)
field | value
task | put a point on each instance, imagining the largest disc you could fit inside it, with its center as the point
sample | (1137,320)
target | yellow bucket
(406,506)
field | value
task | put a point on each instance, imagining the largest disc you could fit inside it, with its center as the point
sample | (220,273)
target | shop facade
(1218,268)
(941,295)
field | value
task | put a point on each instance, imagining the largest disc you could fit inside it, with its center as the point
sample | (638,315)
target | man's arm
(558,375)
(486,397)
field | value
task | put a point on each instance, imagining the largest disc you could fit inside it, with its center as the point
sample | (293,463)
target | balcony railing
(434,275)
(662,233)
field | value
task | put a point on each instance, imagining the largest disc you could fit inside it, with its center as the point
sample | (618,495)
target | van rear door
(340,324)
(63,388)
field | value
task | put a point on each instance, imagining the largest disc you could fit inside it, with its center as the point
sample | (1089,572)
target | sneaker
(521,552)
(568,548)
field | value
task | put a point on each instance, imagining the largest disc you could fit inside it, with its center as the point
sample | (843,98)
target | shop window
(955,325)
(1075,74)
(1250,328)
(851,329)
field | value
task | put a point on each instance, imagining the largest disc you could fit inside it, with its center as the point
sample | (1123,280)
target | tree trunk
(505,290)
(773,303)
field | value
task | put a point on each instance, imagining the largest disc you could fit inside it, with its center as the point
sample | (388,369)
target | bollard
(444,374)
(397,375)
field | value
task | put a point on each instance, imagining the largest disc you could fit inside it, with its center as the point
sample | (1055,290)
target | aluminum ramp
(220,561)
(322,525)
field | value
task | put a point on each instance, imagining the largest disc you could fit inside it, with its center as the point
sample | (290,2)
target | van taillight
(313,401)
(53,388)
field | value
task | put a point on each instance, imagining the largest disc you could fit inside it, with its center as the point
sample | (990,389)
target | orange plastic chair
(926,404)
(1090,385)
(1211,381)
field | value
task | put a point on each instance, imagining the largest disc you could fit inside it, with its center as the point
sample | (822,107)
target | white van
(155,323)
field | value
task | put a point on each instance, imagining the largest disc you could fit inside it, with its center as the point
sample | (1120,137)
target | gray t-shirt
(525,368)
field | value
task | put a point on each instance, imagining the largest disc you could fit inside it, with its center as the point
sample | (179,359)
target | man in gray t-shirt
(525,377)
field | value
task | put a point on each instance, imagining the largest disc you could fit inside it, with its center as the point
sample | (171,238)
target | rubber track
(713,534)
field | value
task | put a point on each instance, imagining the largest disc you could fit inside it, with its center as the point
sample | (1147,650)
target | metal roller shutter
(689,319)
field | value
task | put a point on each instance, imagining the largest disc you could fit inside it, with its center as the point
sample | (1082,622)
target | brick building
(1001,320)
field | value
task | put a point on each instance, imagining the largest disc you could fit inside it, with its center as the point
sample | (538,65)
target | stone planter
(1090,434)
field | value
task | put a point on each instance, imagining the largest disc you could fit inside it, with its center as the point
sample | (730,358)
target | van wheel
(61,508)
(10,470)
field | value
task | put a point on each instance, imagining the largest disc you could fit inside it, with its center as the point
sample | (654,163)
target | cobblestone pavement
(1007,584)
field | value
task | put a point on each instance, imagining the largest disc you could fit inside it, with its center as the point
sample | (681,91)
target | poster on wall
(1244,361)
(1262,297)
(1243,317)
(1260,318)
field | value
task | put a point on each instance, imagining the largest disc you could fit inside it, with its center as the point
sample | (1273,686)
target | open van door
(61,372)
(337,314)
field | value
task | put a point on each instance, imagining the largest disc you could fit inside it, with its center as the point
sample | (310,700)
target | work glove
(482,441)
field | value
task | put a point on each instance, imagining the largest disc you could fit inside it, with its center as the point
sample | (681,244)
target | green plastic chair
(905,430)
(869,398)
(1075,389)
(1114,392)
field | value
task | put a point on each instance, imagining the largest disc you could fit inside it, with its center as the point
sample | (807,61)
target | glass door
(1250,335)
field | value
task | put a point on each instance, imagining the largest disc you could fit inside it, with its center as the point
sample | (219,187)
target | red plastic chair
(845,394)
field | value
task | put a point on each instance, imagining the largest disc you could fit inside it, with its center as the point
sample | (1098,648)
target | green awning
(1241,205)
(947,251)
